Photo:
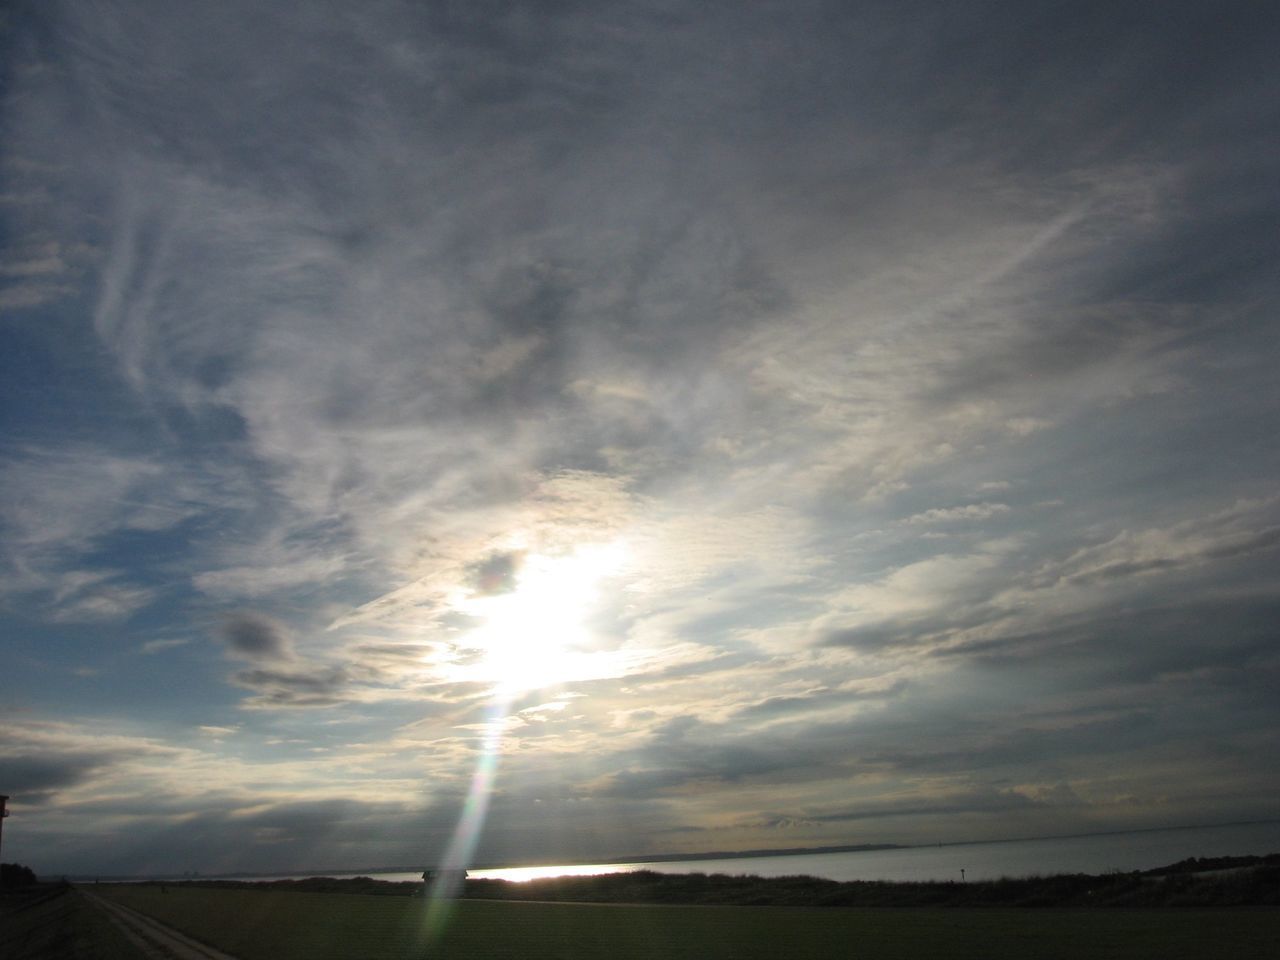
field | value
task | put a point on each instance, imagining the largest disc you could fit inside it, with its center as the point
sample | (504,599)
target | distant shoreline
(1194,882)
(361,871)
(652,858)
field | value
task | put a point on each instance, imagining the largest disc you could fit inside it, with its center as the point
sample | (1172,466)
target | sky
(711,426)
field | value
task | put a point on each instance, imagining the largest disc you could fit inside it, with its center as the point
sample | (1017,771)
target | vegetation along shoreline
(1196,882)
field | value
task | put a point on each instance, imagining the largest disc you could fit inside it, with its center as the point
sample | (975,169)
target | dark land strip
(1204,882)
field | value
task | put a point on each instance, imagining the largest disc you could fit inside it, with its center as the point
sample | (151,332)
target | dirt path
(153,938)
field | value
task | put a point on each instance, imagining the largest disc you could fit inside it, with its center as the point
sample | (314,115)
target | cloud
(326,320)
(44,763)
(820,700)
(216,732)
(1025,426)
(912,602)
(158,646)
(300,686)
(261,580)
(972,511)
(279,677)
(62,513)
(685,756)
(495,574)
(92,598)
(255,637)
(34,779)
(37,271)
(1221,537)
(39,261)
(972,801)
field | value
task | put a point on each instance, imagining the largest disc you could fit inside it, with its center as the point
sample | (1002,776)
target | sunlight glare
(536,635)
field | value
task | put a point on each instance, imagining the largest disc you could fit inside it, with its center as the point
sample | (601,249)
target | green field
(277,925)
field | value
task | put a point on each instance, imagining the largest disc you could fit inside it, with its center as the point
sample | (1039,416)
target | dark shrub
(16,875)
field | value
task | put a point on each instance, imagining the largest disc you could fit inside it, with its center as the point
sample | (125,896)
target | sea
(989,860)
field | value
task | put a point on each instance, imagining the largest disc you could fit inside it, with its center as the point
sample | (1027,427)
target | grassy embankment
(50,921)
(274,924)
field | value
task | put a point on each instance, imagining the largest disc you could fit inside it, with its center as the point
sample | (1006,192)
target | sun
(536,634)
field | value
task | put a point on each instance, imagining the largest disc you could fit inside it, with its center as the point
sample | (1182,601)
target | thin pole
(3,813)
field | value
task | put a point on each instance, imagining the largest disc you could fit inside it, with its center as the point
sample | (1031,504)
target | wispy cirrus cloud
(893,368)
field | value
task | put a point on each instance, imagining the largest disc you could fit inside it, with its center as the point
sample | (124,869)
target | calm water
(980,861)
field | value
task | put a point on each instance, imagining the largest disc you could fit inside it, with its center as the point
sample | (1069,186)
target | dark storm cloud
(35,778)
(256,637)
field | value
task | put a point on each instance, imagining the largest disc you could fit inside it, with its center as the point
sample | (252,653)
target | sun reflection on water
(525,874)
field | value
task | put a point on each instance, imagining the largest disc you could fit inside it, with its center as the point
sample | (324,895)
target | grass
(53,922)
(276,925)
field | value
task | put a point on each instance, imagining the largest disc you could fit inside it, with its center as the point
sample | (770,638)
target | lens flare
(532,636)
(457,857)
